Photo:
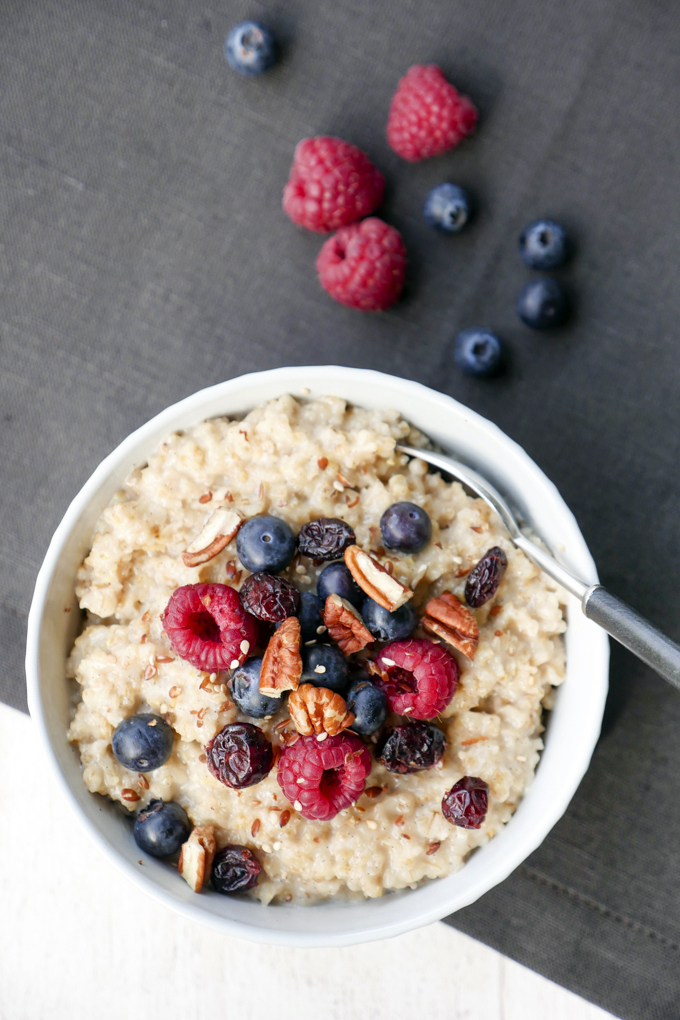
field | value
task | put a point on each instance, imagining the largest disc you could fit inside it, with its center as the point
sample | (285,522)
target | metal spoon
(620,621)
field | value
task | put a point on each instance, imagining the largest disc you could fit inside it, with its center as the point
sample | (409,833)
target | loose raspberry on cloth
(363,266)
(428,116)
(208,626)
(331,184)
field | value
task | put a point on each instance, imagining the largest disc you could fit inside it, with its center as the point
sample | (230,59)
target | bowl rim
(292,380)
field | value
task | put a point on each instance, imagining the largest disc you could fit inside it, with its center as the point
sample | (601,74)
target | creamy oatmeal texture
(301,461)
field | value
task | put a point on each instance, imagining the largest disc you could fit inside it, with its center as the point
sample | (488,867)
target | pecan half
(282,663)
(196,856)
(318,710)
(217,533)
(450,620)
(375,580)
(345,625)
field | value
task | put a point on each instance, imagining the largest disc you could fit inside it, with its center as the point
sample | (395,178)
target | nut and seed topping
(282,662)
(372,578)
(318,710)
(449,619)
(196,856)
(345,625)
(217,533)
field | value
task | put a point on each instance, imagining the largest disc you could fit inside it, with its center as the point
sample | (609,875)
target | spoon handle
(634,632)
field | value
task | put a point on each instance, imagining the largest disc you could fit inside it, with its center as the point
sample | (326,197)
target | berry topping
(369,705)
(324,666)
(543,303)
(543,245)
(250,48)
(427,116)
(331,184)
(447,208)
(240,755)
(208,626)
(418,677)
(484,578)
(478,352)
(333,774)
(309,616)
(143,742)
(363,266)
(269,597)
(466,803)
(386,626)
(235,869)
(405,527)
(336,579)
(245,690)
(412,748)
(161,828)
(265,543)
(326,538)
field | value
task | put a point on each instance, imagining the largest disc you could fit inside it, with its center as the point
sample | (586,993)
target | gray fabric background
(143,254)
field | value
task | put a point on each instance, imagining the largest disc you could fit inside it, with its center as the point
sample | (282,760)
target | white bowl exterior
(574,724)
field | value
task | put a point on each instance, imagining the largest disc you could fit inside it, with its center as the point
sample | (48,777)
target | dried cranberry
(466,803)
(326,538)
(412,748)
(269,597)
(235,869)
(240,755)
(484,578)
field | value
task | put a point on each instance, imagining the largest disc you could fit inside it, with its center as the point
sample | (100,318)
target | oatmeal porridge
(309,657)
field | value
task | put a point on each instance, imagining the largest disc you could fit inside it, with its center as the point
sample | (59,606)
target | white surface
(574,724)
(77,941)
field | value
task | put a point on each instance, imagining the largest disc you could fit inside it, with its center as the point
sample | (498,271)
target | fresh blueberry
(369,705)
(405,527)
(161,828)
(335,579)
(386,626)
(143,742)
(543,303)
(324,666)
(309,615)
(447,208)
(250,48)
(265,543)
(478,352)
(245,690)
(543,245)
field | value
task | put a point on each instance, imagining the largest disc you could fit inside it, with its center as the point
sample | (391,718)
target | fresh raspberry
(421,677)
(208,626)
(427,116)
(331,184)
(334,773)
(363,265)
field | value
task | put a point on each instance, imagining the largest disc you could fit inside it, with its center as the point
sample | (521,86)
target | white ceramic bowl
(574,725)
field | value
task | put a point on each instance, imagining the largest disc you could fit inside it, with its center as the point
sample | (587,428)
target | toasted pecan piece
(345,625)
(318,710)
(216,533)
(449,619)
(375,580)
(196,857)
(282,663)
